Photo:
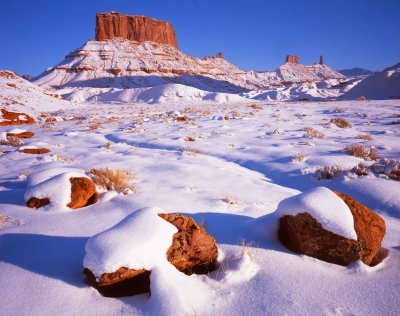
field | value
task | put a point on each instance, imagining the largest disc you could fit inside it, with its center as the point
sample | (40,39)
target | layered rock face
(134,28)
(292,59)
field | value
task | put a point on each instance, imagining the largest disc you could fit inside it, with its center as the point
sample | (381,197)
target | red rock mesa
(134,28)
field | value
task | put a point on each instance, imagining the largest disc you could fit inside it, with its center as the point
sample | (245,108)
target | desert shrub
(361,151)
(119,179)
(365,137)
(390,167)
(299,157)
(313,133)
(361,170)
(340,122)
(12,141)
(327,172)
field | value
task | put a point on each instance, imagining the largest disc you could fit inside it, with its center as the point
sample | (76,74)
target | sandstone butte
(134,28)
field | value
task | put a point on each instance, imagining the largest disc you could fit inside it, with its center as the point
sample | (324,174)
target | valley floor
(228,166)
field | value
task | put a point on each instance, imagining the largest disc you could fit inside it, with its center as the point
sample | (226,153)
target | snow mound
(326,207)
(158,94)
(53,184)
(378,86)
(139,241)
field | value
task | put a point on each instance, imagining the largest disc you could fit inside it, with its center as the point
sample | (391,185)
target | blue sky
(257,34)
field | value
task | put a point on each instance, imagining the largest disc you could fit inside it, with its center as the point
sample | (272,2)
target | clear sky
(253,34)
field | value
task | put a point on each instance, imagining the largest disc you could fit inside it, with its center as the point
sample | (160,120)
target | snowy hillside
(20,95)
(355,72)
(100,70)
(379,86)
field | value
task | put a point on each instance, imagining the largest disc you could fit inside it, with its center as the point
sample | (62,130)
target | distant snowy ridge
(124,64)
(381,85)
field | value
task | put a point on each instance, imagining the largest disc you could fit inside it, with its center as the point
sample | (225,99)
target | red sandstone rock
(303,234)
(83,192)
(116,71)
(292,59)
(369,226)
(14,118)
(35,151)
(192,251)
(134,28)
(36,203)
(8,74)
(123,282)
(26,134)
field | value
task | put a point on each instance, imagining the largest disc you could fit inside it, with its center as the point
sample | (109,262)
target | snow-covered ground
(229,165)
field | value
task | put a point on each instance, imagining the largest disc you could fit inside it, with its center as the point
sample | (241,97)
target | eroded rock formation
(292,59)
(134,28)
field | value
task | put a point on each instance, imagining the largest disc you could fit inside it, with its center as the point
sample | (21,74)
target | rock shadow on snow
(55,257)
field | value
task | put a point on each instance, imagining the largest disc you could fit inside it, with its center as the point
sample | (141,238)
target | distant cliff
(134,28)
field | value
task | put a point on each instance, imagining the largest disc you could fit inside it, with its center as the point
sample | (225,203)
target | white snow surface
(326,207)
(139,241)
(231,175)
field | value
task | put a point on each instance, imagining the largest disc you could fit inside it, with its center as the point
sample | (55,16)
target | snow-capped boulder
(60,191)
(330,226)
(20,133)
(13,118)
(119,261)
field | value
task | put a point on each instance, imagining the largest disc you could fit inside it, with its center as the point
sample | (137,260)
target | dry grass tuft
(12,141)
(361,151)
(118,179)
(327,172)
(365,137)
(299,157)
(8,221)
(191,151)
(340,122)
(313,133)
